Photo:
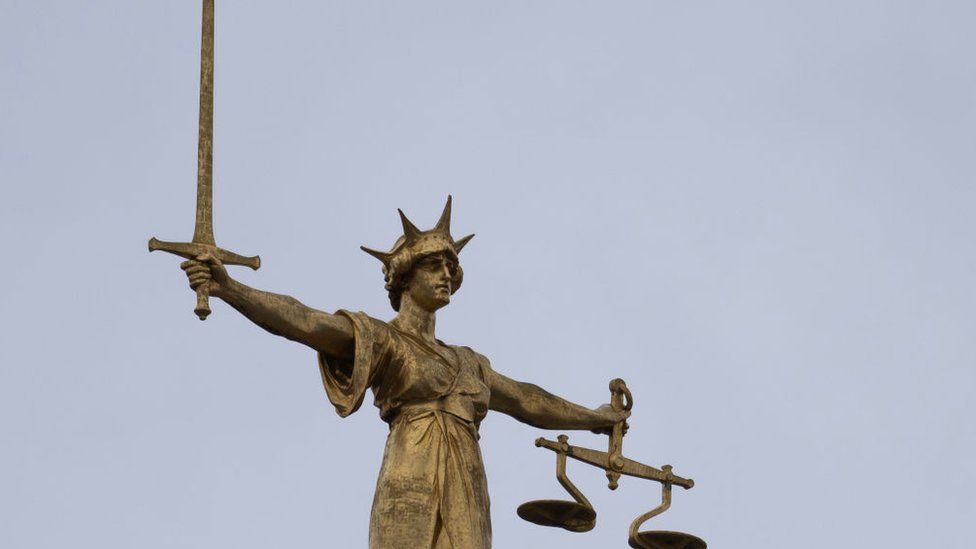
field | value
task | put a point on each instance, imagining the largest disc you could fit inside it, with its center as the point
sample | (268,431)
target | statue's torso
(431,491)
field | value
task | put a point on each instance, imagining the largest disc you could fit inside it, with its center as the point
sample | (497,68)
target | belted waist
(447,405)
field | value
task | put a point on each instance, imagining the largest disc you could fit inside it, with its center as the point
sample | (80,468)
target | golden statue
(431,492)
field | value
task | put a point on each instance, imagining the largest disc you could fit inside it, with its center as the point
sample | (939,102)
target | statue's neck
(415,320)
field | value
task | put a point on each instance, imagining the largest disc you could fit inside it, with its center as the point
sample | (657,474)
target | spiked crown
(416,244)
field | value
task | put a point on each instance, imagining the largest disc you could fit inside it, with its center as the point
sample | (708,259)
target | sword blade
(203,231)
(203,237)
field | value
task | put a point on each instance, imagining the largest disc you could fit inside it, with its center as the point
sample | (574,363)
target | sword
(203,237)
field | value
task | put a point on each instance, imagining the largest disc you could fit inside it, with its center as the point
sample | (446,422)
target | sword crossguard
(193,250)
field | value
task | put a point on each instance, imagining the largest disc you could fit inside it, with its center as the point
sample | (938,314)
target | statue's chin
(441,303)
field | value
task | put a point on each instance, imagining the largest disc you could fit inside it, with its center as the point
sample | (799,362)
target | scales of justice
(432,491)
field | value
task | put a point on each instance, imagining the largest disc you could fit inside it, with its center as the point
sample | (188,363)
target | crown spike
(444,223)
(410,231)
(382,256)
(458,244)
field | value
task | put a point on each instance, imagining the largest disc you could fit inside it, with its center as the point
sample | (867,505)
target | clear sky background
(758,213)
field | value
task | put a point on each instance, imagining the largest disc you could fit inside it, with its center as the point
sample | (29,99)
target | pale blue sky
(758,213)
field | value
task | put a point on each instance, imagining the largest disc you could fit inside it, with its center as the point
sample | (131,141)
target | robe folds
(431,492)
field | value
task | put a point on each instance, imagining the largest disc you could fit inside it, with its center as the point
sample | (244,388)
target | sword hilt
(203,302)
(193,250)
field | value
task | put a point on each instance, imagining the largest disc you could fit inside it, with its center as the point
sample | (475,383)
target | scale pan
(667,540)
(569,515)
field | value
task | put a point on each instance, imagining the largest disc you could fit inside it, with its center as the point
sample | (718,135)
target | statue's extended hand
(206,269)
(609,417)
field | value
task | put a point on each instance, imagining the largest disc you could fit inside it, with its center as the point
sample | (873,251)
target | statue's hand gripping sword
(203,237)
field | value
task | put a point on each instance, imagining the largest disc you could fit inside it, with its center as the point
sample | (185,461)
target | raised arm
(532,404)
(279,314)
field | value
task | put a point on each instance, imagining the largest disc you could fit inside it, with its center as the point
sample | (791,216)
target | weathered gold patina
(203,235)
(579,515)
(431,492)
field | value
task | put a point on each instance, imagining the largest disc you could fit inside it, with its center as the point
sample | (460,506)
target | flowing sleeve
(346,381)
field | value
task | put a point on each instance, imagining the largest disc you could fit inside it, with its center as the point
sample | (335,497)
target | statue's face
(430,281)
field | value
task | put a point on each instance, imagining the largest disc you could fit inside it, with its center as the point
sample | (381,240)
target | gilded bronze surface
(431,492)
(579,515)
(575,516)
(203,242)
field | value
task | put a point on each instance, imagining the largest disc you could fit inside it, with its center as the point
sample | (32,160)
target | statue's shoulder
(475,356)
(364,324)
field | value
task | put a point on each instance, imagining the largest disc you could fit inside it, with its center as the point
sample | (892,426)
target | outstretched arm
(281,315)
(532,404)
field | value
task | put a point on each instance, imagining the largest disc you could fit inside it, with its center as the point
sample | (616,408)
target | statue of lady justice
(431,492)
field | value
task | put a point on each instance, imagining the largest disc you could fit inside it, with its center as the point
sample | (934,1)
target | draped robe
(431,492)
